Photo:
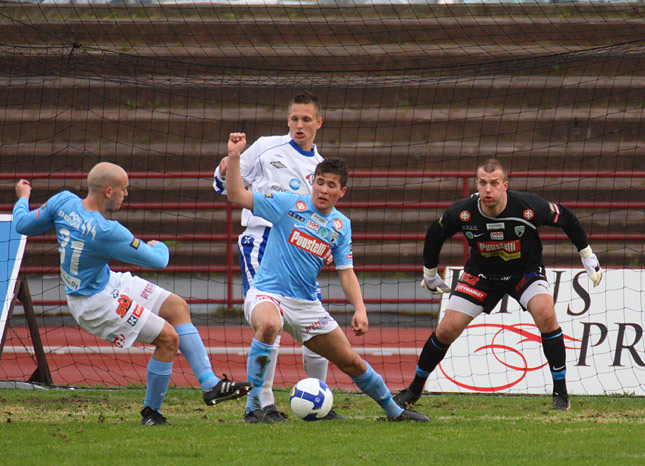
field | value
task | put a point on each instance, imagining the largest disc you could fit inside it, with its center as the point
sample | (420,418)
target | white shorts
(301,318)
(124,312)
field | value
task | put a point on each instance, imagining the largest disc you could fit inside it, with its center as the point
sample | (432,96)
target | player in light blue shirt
(283,292)
(119,307)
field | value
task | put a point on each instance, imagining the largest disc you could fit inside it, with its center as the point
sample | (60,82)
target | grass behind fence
(101,427)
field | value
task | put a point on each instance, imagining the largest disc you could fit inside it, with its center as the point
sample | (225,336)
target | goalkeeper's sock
(157,383)
(256,370)
(373,386)
(554,350)
(192,347)
(431,355)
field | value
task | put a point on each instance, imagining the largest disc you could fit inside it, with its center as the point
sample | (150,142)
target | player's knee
(175,310)
(267,330)
(168,340)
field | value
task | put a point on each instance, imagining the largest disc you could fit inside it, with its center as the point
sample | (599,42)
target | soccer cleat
(271,414)
(406,398)
(332,415)
(413,416)
(152,417)
(253,417)
(226,390)
(561,402)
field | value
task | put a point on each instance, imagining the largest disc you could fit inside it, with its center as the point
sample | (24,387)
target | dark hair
(306,98)
(333,166)
(490,165)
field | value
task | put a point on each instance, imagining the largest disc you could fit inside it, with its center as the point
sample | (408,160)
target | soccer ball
(311,399)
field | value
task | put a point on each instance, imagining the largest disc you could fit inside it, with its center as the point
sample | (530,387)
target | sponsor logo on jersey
(495,226)
(333,237)
(119,340)
(321,323)
(135,243)
(464,216)
(506,250)
(519,230)
(308,243)
(313,226)
(301,205)
(338,224)
(469,278)
(469,227)
(72,283)
(528,214)
(319,219)
(349,256)
(297,216)
(294,184)
(277,164)
(555,212)
(497,235)
(268,195)
(125,302)
(479,295)
(145,294)
(37,212)
(136,314)
(310,178)
(73,219)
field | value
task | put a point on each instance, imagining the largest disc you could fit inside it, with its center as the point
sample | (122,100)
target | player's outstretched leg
(372,385)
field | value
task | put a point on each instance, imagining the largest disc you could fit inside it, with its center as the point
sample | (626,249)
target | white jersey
(274,164)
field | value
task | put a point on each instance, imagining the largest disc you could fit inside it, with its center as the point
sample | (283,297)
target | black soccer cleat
(561,402)
(332,416)
(412,416)
(226,390)
(254,417)
(406,398)
(271,414)
(152,417)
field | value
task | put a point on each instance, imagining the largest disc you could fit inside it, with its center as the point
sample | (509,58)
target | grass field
(101,427)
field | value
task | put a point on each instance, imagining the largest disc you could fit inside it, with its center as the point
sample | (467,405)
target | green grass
(101,427)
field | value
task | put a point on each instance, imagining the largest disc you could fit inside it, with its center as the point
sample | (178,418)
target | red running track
(78,358)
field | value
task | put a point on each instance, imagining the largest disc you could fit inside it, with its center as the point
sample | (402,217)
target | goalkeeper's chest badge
(519,230)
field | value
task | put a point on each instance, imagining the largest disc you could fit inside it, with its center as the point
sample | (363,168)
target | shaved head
(105,174)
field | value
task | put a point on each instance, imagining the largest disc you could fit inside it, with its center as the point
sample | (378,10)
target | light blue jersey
(299,239)
(87,241)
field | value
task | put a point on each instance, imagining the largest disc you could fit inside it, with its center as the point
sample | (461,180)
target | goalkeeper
(501,227)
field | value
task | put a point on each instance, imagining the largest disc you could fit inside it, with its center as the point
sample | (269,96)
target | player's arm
(125,247)
(237,193)
(352,290)
(248,161)
(29,222)
(563,217)
(437,234)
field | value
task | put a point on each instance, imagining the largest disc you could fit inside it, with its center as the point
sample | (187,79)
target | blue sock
(158,380)
(372,385)
(192,347)
(256,370)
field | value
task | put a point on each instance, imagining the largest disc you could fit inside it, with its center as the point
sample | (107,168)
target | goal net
(414,96)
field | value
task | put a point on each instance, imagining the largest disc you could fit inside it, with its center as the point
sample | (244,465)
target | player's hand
(222,167)
(360,322)
(591,264)
(152,242)
(236,144)
(433,282)
(329,258)
(23,189)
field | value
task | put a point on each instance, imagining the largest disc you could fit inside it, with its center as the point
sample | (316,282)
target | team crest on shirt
(333,237)
(294,184)
(464,215)
(519,230)
(528,214)
(301,205)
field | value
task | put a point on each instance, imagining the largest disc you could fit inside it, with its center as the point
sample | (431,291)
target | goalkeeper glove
(433,282)
(591,264)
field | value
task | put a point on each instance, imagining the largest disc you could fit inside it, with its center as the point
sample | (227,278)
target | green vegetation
(87,427)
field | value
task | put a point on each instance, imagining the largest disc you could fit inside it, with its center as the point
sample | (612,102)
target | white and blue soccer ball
(311,399)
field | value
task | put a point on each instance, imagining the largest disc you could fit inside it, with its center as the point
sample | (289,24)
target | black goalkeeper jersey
(506,245)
